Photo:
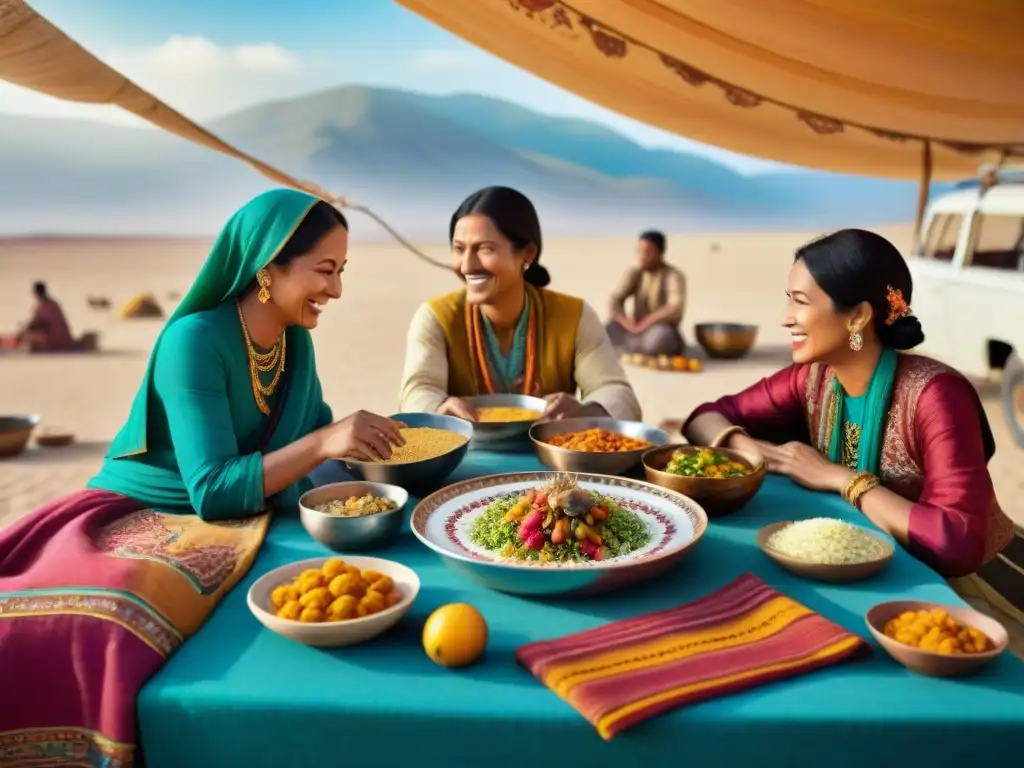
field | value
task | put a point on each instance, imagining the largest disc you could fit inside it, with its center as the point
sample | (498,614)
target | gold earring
(263,280)
(856,341)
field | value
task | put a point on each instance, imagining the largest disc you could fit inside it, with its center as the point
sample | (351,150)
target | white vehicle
(969,287)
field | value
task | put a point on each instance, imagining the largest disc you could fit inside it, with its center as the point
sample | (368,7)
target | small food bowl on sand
(54,438)
(726,341)
(505,435)
(352,532)
(718,496)
(835,573)
(611,463)
(425,474)
(932,663)
(15,432)
(333,634)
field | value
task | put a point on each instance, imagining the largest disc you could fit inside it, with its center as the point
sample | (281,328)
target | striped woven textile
(743,635)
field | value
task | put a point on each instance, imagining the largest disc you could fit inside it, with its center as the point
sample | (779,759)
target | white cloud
(198,57)
(192,74)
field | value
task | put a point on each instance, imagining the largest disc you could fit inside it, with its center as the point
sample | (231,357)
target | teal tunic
(509,369)
(853,425)
(204,431)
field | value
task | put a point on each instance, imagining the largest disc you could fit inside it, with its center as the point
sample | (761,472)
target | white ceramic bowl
(333,634)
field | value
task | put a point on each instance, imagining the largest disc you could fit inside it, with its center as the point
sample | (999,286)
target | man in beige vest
(658,291)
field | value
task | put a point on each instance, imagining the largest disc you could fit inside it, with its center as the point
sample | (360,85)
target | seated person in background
(47,330)
(503,331)
(658,291)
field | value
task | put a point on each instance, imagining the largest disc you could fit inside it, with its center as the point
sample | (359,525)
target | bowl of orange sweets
(330,602)
(936,640)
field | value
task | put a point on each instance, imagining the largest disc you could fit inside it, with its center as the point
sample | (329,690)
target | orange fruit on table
(455,635)
(694,364)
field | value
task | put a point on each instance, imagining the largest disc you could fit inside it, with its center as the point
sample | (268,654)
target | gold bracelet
(855,490)
(725,434)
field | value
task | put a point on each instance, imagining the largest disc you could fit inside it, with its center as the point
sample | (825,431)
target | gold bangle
(855,490)
(725,434)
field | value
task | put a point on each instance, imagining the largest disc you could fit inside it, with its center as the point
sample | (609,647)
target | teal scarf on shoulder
(250,240)
(875,412)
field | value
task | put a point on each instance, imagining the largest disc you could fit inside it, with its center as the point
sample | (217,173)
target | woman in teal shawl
(97,589)
(901,437)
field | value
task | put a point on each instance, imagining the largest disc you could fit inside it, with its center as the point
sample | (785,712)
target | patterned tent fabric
(890,88)
(840,85)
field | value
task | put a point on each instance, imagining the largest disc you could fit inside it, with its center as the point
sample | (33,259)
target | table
(238,695)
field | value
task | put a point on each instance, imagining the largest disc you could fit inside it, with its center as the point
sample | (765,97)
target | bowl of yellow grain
(434,446)
(503,421)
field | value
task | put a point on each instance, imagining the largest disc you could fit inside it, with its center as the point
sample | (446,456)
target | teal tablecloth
(237,695)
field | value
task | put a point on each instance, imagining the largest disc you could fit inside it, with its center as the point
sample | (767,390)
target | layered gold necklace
(262,362)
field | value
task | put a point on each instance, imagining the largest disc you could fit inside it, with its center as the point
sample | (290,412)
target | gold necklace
(262,361)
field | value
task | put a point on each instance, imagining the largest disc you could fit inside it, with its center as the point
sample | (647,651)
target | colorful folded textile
(743,635)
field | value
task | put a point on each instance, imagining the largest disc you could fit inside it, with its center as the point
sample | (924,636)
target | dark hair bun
(905,333)
(537,276)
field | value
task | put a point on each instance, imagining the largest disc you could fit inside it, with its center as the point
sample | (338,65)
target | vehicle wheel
(1013,396)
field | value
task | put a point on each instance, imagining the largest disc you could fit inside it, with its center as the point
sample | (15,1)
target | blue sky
(213,56)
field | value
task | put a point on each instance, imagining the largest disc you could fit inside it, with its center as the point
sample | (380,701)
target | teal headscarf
(875,412)
(250,240)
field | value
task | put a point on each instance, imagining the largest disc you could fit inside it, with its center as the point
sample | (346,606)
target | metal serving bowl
(15,432)
(564,460)
(352,533)
(718,496)
(418,476)
(726,341)
(497,435)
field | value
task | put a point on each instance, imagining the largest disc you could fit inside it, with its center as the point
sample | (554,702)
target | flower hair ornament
(898,307)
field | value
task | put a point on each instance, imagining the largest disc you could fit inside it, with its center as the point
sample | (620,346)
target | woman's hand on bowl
(362,435)
(459,408)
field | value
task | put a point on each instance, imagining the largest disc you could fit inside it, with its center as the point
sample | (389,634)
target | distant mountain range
(411,157)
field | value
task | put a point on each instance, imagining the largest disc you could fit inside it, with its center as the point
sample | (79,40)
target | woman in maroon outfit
(901,437)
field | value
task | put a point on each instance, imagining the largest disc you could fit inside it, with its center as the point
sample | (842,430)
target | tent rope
(342,202)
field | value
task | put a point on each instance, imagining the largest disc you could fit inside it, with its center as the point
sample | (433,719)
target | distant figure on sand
(658,291)
(503,331)
(98,588)
(47,330)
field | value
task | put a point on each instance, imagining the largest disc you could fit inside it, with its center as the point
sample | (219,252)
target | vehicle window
(999,242)
(942,236)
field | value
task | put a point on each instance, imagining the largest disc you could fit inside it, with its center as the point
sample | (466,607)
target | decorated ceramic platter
(552,533)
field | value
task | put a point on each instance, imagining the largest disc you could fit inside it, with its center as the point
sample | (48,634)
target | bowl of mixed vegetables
(721,480)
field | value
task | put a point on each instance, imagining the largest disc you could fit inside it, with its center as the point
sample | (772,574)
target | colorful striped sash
(743,635)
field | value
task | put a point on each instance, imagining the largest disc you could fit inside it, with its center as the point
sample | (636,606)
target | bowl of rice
(825,549)
(434,447)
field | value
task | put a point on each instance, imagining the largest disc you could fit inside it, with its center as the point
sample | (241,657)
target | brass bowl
(504,435)
(726,341)
(927,662)
(564,460)
(827,572)
(717,496)
(346,534)
(15,432)
(418,477)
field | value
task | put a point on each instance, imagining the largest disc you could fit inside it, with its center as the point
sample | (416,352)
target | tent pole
(922,195)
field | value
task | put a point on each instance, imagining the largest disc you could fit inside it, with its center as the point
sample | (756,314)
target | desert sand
(361,339)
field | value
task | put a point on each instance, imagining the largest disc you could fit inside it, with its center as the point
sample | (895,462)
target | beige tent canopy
(891,88)
(841,85)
